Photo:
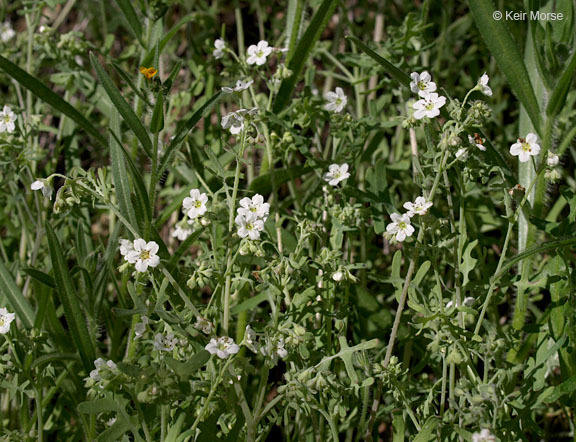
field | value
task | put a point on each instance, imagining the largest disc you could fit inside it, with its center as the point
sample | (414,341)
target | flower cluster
(430,102)
(103,369)
(401,226)
(140,253)
(251,216)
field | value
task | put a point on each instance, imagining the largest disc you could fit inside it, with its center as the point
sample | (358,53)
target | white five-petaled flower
(525,147)
(400,226)
(336,100)
(274,348)
(7,119)
(553,160)
(249,227)
(143,255)
(165,343)
(477,141)
(5,319)
(240,86)
(195,204)
(422,84)
(6,32)
(254,208)
(222,347)
(181,233)
(418,207)
(257,54)
(43,186)
(428,106)
(220,46)
(235,121)
(483,436)
(336,173)
(483,84)
(250,339)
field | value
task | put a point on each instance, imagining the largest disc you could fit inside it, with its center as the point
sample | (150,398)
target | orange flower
(148,72)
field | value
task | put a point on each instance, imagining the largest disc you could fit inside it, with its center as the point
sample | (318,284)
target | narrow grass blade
(131,17)
(46,94)
(294,24)
(183,130)
(392,70)
(120,173)
(157,123)
(69,298)
(504,50)
(15,298)
(305,45)
(561,89)
(122,106)
(167,37)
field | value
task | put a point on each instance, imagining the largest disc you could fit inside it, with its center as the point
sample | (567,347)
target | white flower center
(429,105)
(402,225)
(260,54)
(6,118)
(526,147)
(249,226)
(198,204)
(422,85)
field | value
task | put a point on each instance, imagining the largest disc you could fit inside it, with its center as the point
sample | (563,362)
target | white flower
(336,173)
(483,436)
(254,208)
(483,84)
(6,32)
(43,186)
(462,154)
(336,100)
(182,232)
(422,84)
(240,86)
(418,207)
(165,343)
(195,204)
(400,226)
(140,327)
(101,365)
(428,106)
(204,325)
(274,348)
(220,46)
(469,301)
(126,246)
(143,255)
(249,227)
(222,347)
(5,320)
(7,119)
(477,141)
(111,421)
(233,121)
(525,147)
(338,276)
(553,160)
(257,54)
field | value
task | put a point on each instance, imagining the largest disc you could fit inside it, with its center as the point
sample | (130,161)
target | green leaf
(504,50)
(182,130)
(191,366)
(99,406)
(41,277)
(122,106)
(556,244)
(157,123)
(399,427)
(392,70)
(263,183)
(132,19)
(46,94)
(120,173)
(15,298)
(468,263)
(69,298)
(305,45)
(426,433)
(561,89)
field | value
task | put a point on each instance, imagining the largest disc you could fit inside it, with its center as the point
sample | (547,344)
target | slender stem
(38,396)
